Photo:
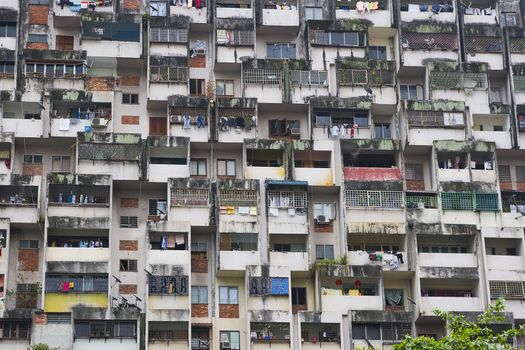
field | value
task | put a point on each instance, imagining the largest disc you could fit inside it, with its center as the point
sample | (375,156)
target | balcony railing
(382,199)
(166,74)
(421,201)
(309,78)
(507,289)
(458,80)
(519,82)
(435,119)
(192,197)
(479,44)
(469,201)
(263,76)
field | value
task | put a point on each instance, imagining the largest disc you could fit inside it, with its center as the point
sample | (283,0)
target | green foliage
(41,346)
(326,262)
(467,335)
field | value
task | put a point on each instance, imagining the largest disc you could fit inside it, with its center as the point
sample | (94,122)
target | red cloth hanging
(198,4)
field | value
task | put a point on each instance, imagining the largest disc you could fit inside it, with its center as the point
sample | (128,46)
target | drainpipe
(461,24)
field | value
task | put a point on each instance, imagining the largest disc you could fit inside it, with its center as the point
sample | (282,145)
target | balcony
(264,160)
(169,257)
(115,154)
(485,44)
(448,175)
(426,10)
(504,266)
(264,84)
(197,16)
(382,17)
(341,304)
(493,128)
(167,76)
(111,39)
(295,261)
(447,260)
(286,209)
(419,46)
(450,304)
(233,12)
(237,260)
(237,119)
(70,117)
(19,203)
(73,10)
(364,258)
(480,16)
(313,167)
(306,83)
(77,254)
(280,16)
(24,119)
(190,200)
(471,201)
(165,161)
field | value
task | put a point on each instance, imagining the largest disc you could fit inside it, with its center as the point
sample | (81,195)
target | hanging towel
(223,210)
(65,286)
(243,210)
(272,211)
(163,242)
(291,211)
(231,210)
(253,211)
(413,8)
(171,242)
(71,285)
(179,239)
(63,124)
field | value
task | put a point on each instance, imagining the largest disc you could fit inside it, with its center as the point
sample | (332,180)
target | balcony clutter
(77,5)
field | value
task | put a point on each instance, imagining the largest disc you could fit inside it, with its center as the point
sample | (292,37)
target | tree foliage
(41,346)
(467,335)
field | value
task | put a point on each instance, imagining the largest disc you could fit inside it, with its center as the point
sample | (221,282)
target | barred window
(458,80)
(504,173)
(469,201)
(352,76)
(383,199)
(77,284)
(263,76)
(321,37)
(305,77)
(232,197)
(129,222)
(163,73)
(270,330)
(55,317)
(507,289)
(320,332)
(199,294)
(168,330)
(235,37)
(414,171)
(520,173)
(395,331)
(171,285)
(287,199)
(168,35)
(105,329)
(186,196)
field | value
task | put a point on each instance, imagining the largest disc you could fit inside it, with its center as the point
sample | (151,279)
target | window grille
(352,76)
(320,332)
(239,241)
(517,45)
(64,318)
(129,221)
(270,331)
(235,37)
(172,330)
(469,201)
(481,44)
(321,37)
(185,196)
(430,41)
(168,35)
(414,201)
(232,197)
(163,73)
(287,199)
(395,331)
(504,173)
(519,82)
(77,284)
(458,80)
(108,152)
(507,289)
(383,199)
(263,76)
(27,195)
(15,329)
(305,77)
(105,329)
(90,194)
(171,285)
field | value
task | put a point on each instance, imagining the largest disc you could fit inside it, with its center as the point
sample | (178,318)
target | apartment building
(258,174)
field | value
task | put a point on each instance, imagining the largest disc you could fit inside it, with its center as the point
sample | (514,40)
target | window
(61,164)
(105,329)
(7,68)
(77,283)
(324,251)
(201,247)
(298,296)
(28,244)
(235,37)
(226,167)
(33,159)
(7,29)
(408,92)
(64,42)
(56,317)
(15,329)
(321,37)
(377,53)
(199,294)
(370,331)
(414,171)
(280,50)
(158,207)
(382,131)
(394,297)
(168,35)
(313,13)
(228,296)
(324,209)
(37,38)
(197,86)
(509,19)
(128,222)
(224,88)
(520,173)
(171,285)
(504,173)
(130,99)
(128,265)
(158,9)
(230,340)
(198,167)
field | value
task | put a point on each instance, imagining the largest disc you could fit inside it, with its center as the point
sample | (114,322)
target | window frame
(128,98)
(282,47)
(4,29)
(199,163)
(130,223)
(230,300)
(378,49)
(61,158)
(196,85)
(225,83)
(32,159)
(237,346)
(405,89)
(226,162)
(29,242)
(124,265)
(330,250)
(198,290)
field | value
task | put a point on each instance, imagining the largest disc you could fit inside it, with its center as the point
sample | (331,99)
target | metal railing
(309,78)
(421,201)
(163,73)
(263,76)
(382,199)
(458,80)
(519,82)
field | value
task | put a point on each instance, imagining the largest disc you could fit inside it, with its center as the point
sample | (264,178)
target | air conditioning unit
(322,219)
(175,119)
(295,131)
(98,122)
(225,345)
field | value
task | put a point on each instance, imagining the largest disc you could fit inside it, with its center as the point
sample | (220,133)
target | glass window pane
(223,295)
(337,38)
(230,168)
(234,298)
(220,88)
